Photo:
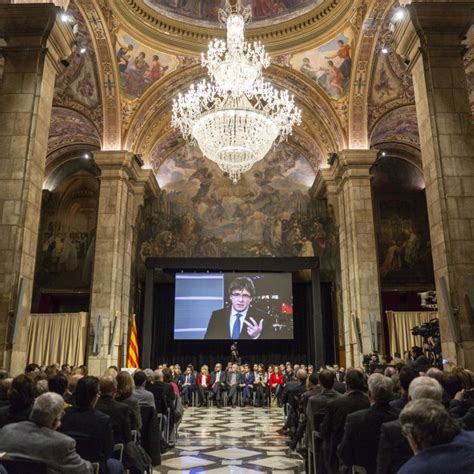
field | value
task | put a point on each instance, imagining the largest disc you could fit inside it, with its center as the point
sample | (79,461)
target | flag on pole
(132,356)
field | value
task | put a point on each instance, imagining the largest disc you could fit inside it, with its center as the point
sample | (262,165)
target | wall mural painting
(267,213)
(469,65)
(404,245)
(140,66)
(402,227)
(207,10)
(398,125)
(329,65)
(67,234)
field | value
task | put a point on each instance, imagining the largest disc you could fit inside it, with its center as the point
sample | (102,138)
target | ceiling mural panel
(399,125)
(69,127)
(199,11)
(469,63)
(329,65)
(140,66)
(77,87)
(268,212)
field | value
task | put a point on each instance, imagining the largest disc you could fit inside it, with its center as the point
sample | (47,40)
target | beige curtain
(58,338)
(399,329)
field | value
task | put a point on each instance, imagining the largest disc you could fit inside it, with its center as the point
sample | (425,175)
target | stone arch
(98,27)
(151,120)
(363,65)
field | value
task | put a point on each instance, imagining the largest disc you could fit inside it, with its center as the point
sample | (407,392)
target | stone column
(350,175)
(430,41)
(122,188)
(34,42)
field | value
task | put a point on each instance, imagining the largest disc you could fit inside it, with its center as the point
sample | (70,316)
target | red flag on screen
(286,308)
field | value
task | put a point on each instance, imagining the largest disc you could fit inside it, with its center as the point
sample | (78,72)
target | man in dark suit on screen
(241,320)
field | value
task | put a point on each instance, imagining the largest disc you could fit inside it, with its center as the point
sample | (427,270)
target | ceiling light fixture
(236,117)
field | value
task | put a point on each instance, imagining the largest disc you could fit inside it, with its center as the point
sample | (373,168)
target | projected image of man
(241,320)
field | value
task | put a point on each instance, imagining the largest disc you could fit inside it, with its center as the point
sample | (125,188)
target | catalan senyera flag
(132,356)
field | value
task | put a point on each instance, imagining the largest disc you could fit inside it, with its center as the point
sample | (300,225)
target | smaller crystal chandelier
(237,117)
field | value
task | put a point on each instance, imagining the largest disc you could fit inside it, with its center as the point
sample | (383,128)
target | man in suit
(331,429)
(188,385)
(233,380)
(162,392)
(241,320)
(218,384)
(394,450)
(291,393)
(359,445)
(119,413)
(407,374)
(143,396)
(437,441)
(90,426)
(317,404)
(246,384)
(38,439)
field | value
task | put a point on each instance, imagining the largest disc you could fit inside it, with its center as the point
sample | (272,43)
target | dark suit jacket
(291,390)
(164,395)
(89,423)
(238,378)
(332,427)
(218,327)
(58,451)
(182,380)
(317,405)
(456,457)
(359,445)
(120,415)
(394,450)
(399,403)
(222,377)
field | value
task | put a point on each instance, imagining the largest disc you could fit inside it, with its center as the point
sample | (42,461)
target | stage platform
(231,440)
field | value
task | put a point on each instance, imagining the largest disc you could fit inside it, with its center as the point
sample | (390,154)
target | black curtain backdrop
(299,350)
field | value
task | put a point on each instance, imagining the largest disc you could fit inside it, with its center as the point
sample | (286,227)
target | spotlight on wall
(87,156)
(66,18)
(399,15)
(384,153)
(385,50)
(82,50)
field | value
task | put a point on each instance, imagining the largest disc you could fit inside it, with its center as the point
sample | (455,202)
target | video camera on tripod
(428,329)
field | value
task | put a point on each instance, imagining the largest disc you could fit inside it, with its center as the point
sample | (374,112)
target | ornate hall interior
(376,181)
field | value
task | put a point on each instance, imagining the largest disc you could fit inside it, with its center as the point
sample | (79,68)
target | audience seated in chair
(21,398)
(90,427)
(437,441)
(394,449)
(143,396)
(125,385)
(359,444)
(38,439)
(331,429)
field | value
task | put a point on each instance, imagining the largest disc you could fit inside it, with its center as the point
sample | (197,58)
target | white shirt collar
(233,317)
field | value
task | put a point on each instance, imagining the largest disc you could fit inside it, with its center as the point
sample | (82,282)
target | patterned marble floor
(232,441)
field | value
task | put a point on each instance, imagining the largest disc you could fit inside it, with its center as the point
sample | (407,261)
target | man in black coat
(163,392)
(119,413)
(332,427)
(91,428)
(407,374)
(240,320)
(394,450)
(359,445)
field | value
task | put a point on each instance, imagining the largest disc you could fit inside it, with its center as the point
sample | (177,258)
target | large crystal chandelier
(237,116)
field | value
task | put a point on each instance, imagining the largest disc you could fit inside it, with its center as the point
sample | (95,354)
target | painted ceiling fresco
(469,63)
(139,66)
(196,11)
(328,65)
(268,212)
(399,125)
(77,86)
(69,127)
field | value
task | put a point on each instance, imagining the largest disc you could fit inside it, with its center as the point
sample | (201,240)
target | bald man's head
(108,386)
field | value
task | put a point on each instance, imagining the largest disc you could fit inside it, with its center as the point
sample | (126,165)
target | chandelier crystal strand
(236,117)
